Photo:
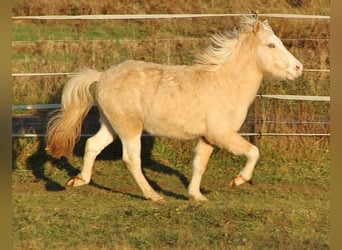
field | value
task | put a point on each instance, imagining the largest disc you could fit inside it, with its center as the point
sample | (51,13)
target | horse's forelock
(247,23)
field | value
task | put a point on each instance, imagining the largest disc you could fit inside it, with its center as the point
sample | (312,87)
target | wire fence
(73,40)
(144,134)
(281,97)
(161,16)
(18,121)
(73,73)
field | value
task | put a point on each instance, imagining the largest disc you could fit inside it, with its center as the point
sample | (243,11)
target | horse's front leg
(236,144)
(94,146)
(202,154)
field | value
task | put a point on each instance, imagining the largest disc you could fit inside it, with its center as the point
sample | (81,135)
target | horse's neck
(243,73)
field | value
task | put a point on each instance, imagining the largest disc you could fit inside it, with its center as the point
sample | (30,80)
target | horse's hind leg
(236,144)
(94,146)
(202,154)
(131,156)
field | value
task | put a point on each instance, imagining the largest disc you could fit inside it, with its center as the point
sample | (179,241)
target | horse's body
(208,100)
(151,96)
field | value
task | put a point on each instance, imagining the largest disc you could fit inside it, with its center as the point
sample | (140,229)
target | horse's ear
(258,26)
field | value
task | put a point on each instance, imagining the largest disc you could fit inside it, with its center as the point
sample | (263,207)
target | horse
(206,101)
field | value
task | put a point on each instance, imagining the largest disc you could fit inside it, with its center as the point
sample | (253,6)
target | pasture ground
(286,208)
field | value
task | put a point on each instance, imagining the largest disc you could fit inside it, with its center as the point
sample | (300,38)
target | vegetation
(287,208)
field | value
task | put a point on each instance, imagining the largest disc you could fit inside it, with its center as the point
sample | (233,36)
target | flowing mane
(223,44)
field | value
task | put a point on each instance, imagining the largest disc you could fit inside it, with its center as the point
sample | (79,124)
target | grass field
(288,207)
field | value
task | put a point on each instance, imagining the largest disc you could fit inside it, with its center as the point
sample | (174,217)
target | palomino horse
(208,100)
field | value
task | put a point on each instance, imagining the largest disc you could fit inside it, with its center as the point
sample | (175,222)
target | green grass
(287,207)
(104,223)
(75,31)
(33,32)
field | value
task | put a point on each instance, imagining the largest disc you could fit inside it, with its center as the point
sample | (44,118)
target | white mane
(223,44)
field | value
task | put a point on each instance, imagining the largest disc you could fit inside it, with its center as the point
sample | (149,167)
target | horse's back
(161,99)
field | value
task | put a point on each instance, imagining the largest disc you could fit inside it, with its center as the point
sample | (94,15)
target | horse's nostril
(298,67)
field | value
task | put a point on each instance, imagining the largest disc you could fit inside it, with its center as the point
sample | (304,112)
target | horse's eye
(271,45)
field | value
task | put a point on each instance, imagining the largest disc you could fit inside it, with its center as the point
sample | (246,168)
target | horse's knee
(92,148)
(253,153)
(95,145)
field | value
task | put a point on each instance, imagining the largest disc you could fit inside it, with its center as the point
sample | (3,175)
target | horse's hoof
(76,181)
(157,198)
(232,184)
(198,198)
(161,200)
(239,180)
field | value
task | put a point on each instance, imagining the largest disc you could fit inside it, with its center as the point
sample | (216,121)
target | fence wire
(161,16)
(19,122)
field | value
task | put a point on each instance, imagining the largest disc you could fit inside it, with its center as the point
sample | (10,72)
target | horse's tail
(64,126)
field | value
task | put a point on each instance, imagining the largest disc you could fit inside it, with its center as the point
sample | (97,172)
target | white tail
(64,127)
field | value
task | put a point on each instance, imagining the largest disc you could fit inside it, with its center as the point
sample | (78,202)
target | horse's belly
(175,128)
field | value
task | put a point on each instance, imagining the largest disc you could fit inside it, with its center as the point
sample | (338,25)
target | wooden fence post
(257,122)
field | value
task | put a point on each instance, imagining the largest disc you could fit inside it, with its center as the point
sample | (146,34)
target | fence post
(256,122)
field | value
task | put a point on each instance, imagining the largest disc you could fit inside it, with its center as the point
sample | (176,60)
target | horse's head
(271,55)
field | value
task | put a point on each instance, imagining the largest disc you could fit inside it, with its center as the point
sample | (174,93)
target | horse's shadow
(36,163)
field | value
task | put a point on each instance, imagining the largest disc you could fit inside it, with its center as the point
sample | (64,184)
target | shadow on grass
(37,160)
